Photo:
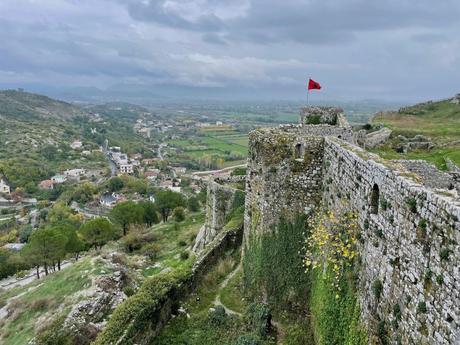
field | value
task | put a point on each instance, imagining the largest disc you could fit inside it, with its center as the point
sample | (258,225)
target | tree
(127,213)
(150,213)
(49,152)
(179,214)
(74,244)
(45,248)
(166,201)
(115,184)
(193,204)
(25,232)
(97,232)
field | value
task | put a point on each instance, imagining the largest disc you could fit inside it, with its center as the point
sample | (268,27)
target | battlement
(315,115)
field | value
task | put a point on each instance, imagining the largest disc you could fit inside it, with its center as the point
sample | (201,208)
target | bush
(179,214)
(421,308)
(193,204)
(377,288)
(247,339)
(40,304)
(150,250)
(182,243)
(136,314)
(217,316)
(412,204)
(184,255)
(136,238)
(129,291)
(259,318)
(444,254)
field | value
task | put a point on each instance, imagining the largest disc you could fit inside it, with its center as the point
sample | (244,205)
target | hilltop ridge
(31,106)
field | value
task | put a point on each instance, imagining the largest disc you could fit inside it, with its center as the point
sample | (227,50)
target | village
(124,176)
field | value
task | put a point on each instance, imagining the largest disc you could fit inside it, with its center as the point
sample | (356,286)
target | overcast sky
(357,49)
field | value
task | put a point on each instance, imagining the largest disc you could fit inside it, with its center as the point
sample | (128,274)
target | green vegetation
(438,120)
(45,297)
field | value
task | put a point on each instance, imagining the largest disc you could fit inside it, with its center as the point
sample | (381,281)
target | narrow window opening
(375,199)
(298,151)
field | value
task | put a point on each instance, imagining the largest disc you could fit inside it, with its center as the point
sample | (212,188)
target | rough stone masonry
(410,221)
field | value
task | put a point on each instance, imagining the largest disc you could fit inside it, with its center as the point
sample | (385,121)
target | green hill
(438,120)
(30,106)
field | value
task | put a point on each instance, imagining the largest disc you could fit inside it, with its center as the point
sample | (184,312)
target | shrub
(444,254)
(247,339)
(184,255)
(179,214)
(182,243)
(150,250)
(40,304)
(377,288)
(421,308)
(217,316)
(54,334)
(412,204)
(136,314)
(193,204)
(397,312)
(440,279)
(382,333)
(259,318)
(129,291)
(137,237)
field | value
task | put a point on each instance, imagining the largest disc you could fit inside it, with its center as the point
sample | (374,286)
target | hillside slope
(30,106)
(439,121)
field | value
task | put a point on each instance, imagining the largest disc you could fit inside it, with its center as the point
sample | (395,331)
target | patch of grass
(46,295)
(232,295)
(198,329)
(439,120)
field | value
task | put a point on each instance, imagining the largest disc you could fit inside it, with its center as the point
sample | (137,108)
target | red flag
(313,85)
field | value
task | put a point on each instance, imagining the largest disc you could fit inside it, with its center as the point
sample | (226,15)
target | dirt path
(217,301)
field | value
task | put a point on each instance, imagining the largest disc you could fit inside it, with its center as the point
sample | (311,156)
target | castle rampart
(410,238)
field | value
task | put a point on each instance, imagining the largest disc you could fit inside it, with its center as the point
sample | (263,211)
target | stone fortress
(409,214)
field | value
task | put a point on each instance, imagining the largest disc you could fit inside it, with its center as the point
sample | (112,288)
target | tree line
(66,235)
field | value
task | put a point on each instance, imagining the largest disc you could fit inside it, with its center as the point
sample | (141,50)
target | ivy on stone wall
(273,266)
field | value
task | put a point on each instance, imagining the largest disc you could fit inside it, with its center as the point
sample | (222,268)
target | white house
(126,168)
(108,199)
(4,187)
(75,172)
(59,178)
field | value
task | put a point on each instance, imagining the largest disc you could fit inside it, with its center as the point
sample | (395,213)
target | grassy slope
(29,106)
(55,294)
(438,120)
(45,298)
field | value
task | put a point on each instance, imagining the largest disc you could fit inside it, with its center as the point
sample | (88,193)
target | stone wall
(410,236)
(219,204)
(405,241)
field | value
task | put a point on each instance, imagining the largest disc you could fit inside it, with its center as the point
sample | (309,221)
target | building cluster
(124,163)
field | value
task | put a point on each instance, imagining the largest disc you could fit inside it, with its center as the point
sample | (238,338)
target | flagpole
(308,91)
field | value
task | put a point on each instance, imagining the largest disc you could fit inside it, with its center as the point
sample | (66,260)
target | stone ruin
(220,198)
(415,208)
